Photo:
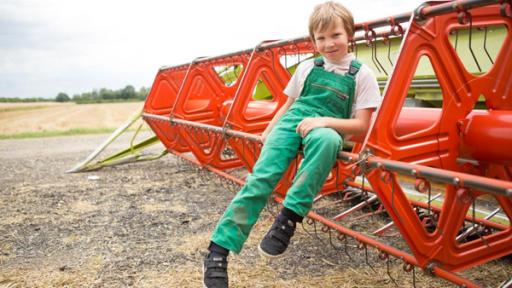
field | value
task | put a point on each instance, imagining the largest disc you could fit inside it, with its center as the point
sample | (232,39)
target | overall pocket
(338,93)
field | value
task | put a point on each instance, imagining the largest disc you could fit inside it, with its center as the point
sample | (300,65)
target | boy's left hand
(308,124)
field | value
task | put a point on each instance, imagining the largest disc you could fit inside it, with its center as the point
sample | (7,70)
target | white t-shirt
(367,93)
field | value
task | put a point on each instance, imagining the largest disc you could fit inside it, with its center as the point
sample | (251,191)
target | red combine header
(442,174)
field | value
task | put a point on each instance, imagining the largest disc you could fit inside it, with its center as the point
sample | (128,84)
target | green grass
(44,133)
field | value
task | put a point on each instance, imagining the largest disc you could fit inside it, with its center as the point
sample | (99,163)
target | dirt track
(147,225)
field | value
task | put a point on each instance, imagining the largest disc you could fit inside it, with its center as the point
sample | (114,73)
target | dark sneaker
(276,241)
(215,272)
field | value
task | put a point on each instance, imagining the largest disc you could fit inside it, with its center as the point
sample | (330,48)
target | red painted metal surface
(160,101)
(215,125)
(438,145)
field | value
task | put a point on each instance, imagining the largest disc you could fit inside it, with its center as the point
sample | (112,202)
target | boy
(327,96)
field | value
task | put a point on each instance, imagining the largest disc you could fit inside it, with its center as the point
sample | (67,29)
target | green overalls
(325,94)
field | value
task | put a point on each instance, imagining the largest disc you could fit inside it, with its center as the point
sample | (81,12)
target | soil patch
(147,225)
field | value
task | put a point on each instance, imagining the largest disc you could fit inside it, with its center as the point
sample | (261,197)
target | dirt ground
(147,225)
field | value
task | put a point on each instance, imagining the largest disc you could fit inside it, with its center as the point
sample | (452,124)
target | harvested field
(147,225)
(17,118)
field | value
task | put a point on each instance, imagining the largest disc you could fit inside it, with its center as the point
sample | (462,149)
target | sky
(75,46)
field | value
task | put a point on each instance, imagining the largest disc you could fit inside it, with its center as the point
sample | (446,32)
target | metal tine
(378,211)
(295,48)
(305,229)
(361,246)
(316,232)
(470,41)
(298,53)
(385,256)
(377,58)
(330,240)
(354,47)
(430,214)
(473,214)
(325,229)
(408,267)
(312,222)
(345,244)
(389,224)
(343,198)
(281,51)
(338,192)
(345,195)
(485,46)
(338,249)
(354,208)
(272,59)
(468,231)
(285,59)
(435,197)
(370,44)
(381,230)
(234,68)
(423,185)
(364,191)
(389,52)
(456,39)
(413,276)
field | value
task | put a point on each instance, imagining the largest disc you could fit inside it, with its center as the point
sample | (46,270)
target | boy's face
(332,43)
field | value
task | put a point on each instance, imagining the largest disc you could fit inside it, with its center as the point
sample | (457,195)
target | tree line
(128,93)
(103,95)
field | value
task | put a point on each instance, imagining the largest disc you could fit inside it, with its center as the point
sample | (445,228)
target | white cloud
(76,46)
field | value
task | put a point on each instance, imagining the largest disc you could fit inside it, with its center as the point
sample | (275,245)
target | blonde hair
(326,14)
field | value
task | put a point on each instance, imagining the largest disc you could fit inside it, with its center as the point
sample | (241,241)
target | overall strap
(319,62)
(355,65)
